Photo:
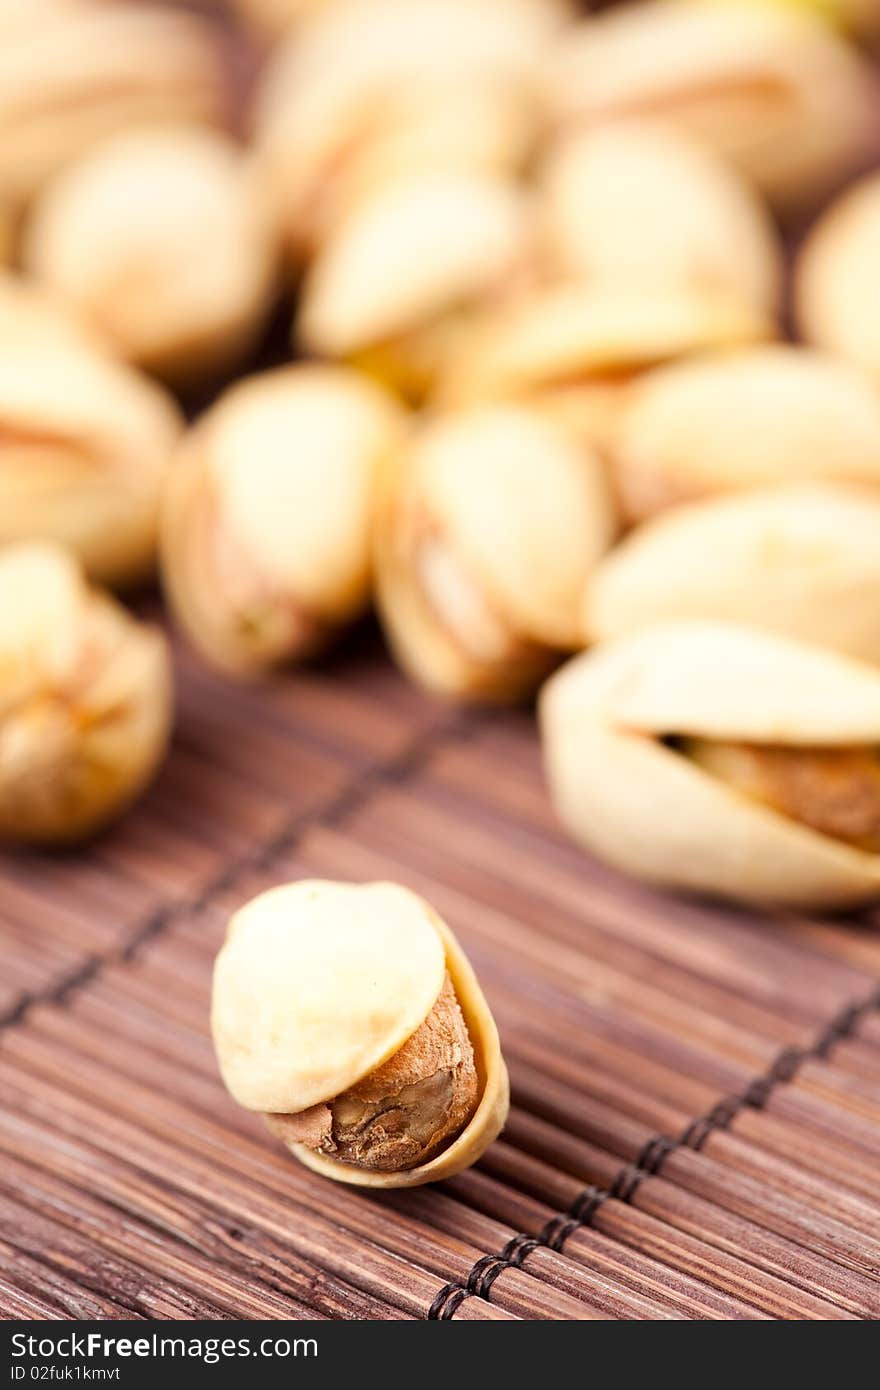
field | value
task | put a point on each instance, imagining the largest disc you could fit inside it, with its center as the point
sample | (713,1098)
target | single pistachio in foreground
(85,441)
(488,526)
(720,759)
(394,287)
(157,237)
(265,536)
(349,1016)
(85,700)
(765,414)
(837,283)
(780,93)
(801,559)
(640,201)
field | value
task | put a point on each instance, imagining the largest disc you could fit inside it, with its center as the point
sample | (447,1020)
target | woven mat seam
(648,1163)
(402,765)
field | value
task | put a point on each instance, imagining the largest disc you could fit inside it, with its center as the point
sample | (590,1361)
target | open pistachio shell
(639,200)
(71,74)
(767,414)
(371,89)
(156,236)
(488,527)
(85,443)
(778,92)
(838,278)
(266,524)
(85,700)
(408,263)
(575,349)
(622,790)
(800,559)
(319,984)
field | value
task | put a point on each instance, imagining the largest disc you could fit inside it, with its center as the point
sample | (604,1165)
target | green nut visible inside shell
(350,1018)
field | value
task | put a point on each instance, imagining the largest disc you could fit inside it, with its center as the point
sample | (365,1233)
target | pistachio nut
(488,526)
(837,284)
(85,700)
(370,90)
(722,759)
(767,414)
(640,200)
(85,443)
(266,524)
(349,1016)
(394,286)
(778,92)
(156,237)
(73,73)
(576,349)
(800,559)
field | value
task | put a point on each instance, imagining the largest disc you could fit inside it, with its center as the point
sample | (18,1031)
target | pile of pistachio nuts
(546,395)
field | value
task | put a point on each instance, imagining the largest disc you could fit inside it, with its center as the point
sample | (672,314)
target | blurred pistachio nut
(395,285)
(838,278)
(374,86)
(350,1017)
(779,93)
(639,200)
(71,74)
(801,559)
(721,759)
(156,236)
(768,414)
(488,527)
(85,443)
(576,349)
(266,522)
(85,700)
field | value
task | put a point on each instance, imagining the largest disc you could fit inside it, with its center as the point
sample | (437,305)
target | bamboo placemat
(695,1130)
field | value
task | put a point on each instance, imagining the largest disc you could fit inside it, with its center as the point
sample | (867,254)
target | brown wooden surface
(131,1186)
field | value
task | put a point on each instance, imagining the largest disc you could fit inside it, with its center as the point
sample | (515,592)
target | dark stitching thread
(649,1161)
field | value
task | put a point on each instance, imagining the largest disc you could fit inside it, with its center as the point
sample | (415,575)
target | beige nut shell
(837,285)
(88,444)
(522,512)
(779,93)
(413,251)
(158,238)
(319,983)
(286,463)
(372,87)
(71,74)
(85,700)
(651,811)
(765,414)
(640,201)
(801,559)
(581,335)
